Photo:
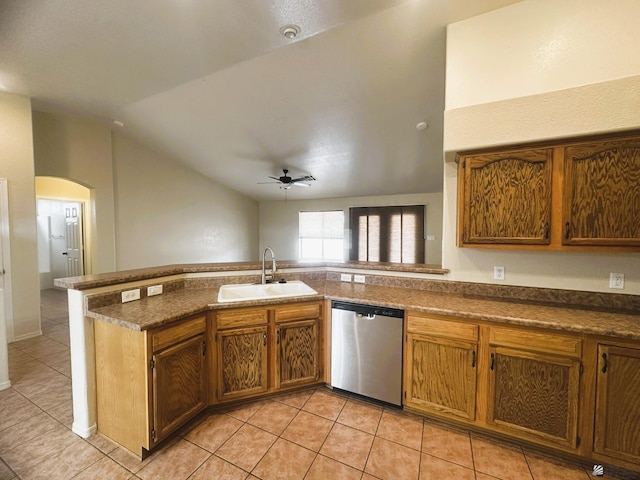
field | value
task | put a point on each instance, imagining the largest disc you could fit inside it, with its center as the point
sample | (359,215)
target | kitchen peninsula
(580,347)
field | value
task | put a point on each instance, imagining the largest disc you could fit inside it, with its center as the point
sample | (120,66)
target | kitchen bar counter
(160,310)
(106,279)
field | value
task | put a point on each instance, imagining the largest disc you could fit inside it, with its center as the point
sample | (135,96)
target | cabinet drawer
(442,327)
(537,341)
(302,311)
(176,333)
(241,317)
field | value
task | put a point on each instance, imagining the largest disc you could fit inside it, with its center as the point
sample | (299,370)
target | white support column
(83,377)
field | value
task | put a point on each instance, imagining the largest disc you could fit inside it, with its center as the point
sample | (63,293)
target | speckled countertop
(105,279)
(160,310)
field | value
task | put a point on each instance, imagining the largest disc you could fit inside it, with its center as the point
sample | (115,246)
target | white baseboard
(26,336)
(5,385)
(84,432)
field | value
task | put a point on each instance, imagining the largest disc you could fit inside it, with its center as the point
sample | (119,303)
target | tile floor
(311,435)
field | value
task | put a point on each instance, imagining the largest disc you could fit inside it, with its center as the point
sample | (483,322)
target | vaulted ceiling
(216,85)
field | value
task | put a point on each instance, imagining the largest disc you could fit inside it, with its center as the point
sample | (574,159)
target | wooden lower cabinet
(266,349)
(148,383)
(520,382)
(617,419)
(242,362)
(534,395)
(534,380)
(440,366)
(179,385)
(297,353)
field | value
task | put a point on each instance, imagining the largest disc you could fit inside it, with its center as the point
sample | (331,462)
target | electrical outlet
(345,277)
(131,295)
(154,290)
(358,278)
(431,237)
(616,280)
(498,273)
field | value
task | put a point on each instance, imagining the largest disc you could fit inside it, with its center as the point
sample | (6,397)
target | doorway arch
(54,197)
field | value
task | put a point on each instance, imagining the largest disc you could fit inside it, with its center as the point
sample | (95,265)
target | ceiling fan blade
(306,178)
(298,184)
(275,178)
(264,183)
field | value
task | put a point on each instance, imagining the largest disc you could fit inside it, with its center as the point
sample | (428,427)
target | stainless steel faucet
(268,278)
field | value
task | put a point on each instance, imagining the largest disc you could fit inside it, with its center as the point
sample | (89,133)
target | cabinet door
(179,385)
(602,193)
(506,197)
(441,376)
(534,395)
(242,362)
(617,428)
(297,353)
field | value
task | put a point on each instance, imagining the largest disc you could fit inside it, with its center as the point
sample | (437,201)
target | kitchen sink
(257,291)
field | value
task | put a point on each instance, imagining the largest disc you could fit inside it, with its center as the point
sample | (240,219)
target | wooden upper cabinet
(506,197)
(602,193)
(573,194)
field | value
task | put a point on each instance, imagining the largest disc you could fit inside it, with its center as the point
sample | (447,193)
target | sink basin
(253,291)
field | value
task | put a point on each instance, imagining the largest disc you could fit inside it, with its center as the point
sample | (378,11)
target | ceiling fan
(287,182)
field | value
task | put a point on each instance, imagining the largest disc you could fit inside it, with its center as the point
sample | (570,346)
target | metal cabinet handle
(264,339)
(493,361)
(567,231)
(546,230)
(473,358)
(605,363)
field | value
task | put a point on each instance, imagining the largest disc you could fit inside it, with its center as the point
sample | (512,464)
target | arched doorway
(63,229)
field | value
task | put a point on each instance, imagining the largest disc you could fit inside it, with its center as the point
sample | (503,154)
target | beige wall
(79,149)
(16,165)
(279,220)
(167,213)
(557,77)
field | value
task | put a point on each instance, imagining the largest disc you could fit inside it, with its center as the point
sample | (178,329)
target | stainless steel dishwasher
(366,350)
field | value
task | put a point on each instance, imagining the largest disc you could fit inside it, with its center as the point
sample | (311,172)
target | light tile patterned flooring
(312,435)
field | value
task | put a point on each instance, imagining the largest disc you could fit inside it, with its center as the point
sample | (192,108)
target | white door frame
(6,307)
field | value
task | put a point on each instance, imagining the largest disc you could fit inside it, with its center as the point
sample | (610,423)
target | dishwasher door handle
(368,316)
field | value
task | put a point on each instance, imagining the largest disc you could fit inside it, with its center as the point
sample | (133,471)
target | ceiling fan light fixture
(290,31)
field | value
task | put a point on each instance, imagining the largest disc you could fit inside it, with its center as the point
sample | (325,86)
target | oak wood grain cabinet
(573,194)
(506,197)
(266,349)
(534,380)
(602,193)
(297,349)
(440,366)
(241,344)
(617,419)
(149,383)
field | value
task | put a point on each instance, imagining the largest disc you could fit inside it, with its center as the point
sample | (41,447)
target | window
(387,234)
(321,235)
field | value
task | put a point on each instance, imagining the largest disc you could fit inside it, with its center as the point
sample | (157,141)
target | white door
(5,304)
(74,235)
